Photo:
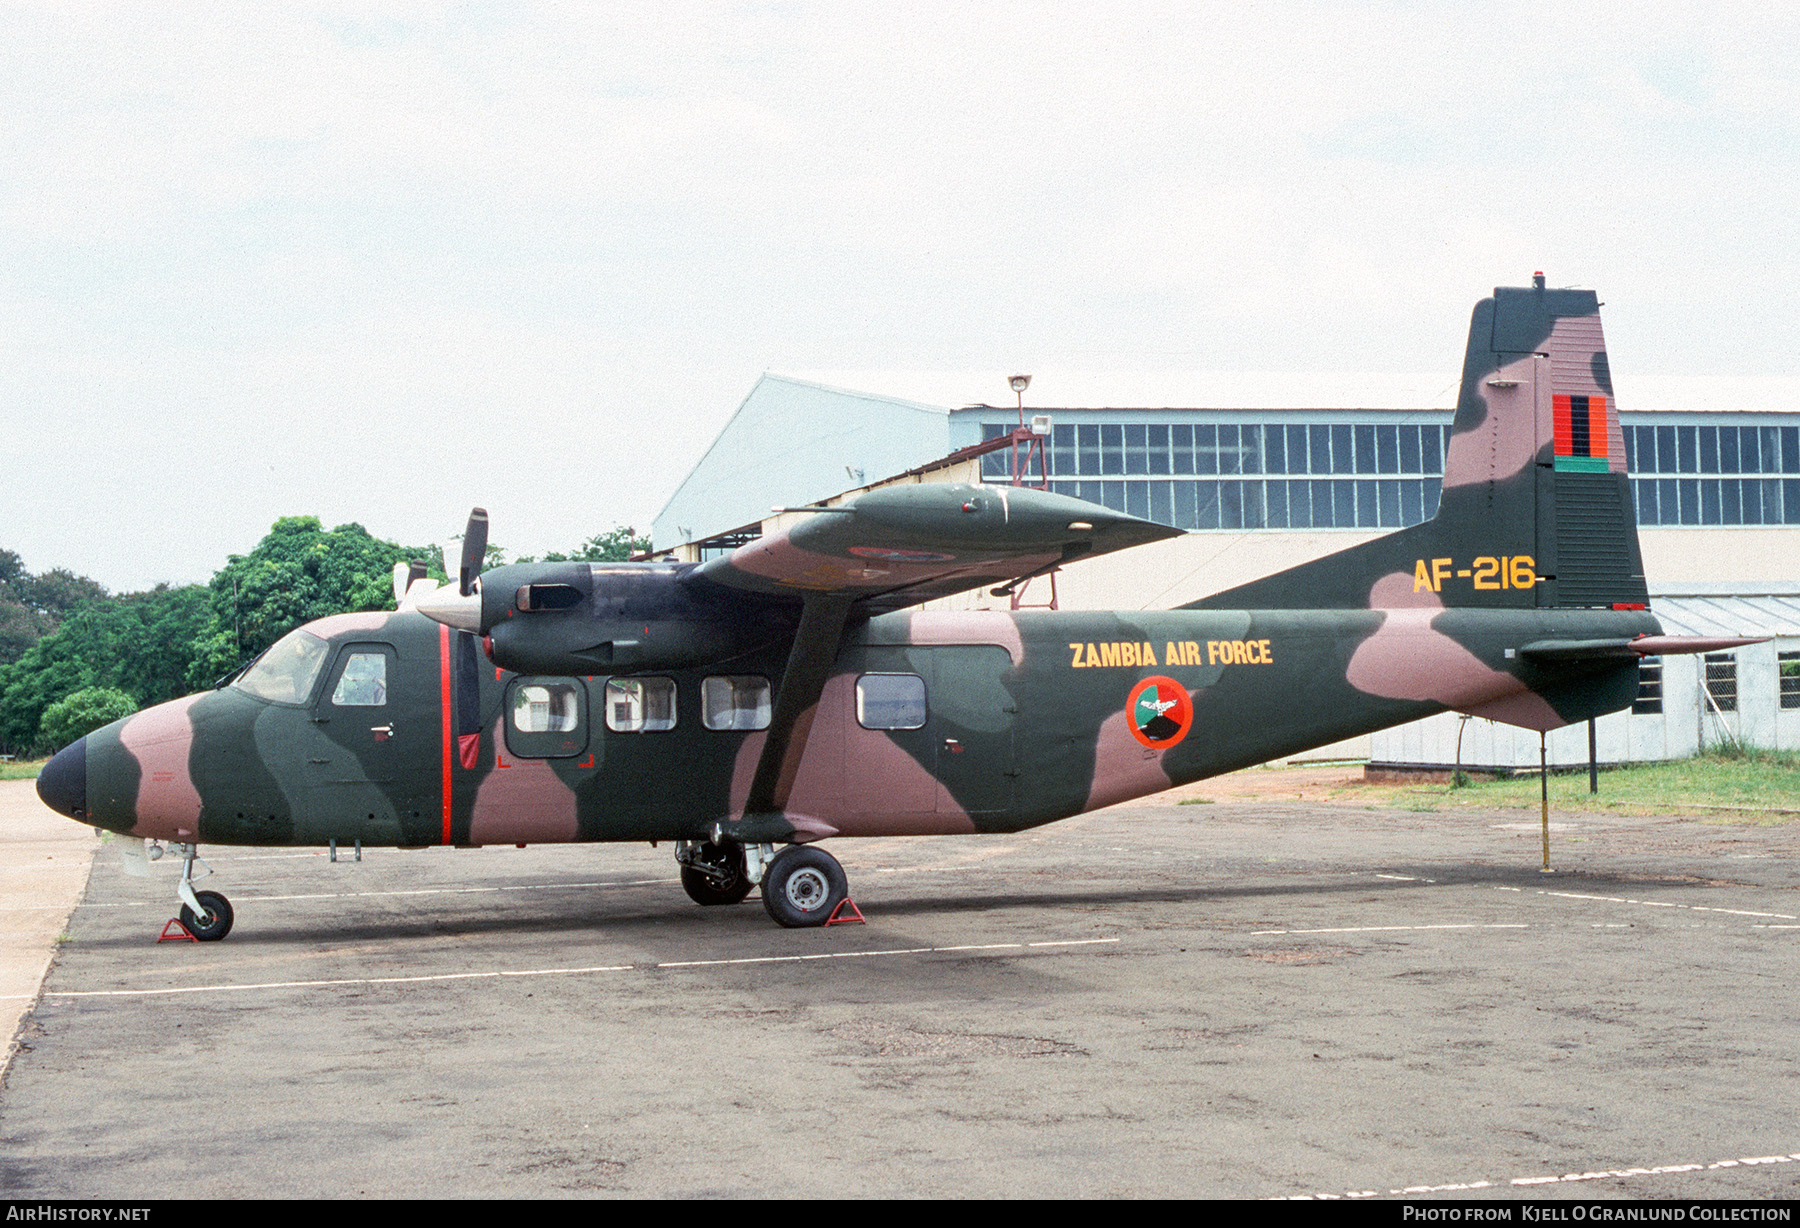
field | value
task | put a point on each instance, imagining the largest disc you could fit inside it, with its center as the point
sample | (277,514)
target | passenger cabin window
(640,705)
(545,718)
(362,683)
(544,708)
(286,672)
(735,703)
(890,701)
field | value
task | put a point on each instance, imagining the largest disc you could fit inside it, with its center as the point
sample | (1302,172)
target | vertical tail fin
(1536,509)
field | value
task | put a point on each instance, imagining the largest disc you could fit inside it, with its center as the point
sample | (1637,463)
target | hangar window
(1721,681)
(1790,678)
(286,672)
(890,701)
(1649,696)
(735,703)
(640,705)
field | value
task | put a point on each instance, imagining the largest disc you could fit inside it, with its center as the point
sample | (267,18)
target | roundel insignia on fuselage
(1159,712)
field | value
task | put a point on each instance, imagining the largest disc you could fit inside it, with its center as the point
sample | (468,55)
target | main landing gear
(802,885)
(713,873)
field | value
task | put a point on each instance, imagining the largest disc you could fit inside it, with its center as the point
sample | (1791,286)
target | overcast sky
(382,262)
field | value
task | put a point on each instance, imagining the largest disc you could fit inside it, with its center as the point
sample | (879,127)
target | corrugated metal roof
(1750,614)
(1065,389)
(1069,389)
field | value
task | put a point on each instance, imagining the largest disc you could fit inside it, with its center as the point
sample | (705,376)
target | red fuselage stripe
(444,717)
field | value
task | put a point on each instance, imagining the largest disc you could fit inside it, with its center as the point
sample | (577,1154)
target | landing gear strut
(713,873)
(204,914)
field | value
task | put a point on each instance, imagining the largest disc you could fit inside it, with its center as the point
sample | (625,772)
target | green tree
(142,644)
(56,594)
(297,573)
(78,715)
(31,607)
(19,630)
(613,546)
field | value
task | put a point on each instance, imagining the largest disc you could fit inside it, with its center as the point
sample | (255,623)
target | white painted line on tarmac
(355,895)
(346,982)
(361,895)
(1384,929)
(1620,899)
(796,959)
(1600,1174)
(337,983)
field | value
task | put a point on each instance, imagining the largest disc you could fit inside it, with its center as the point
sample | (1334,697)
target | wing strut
(816,643)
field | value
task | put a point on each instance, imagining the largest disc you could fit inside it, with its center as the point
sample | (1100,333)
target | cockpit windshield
(285,674)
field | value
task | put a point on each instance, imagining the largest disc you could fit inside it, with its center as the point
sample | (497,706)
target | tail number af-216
(1487,572)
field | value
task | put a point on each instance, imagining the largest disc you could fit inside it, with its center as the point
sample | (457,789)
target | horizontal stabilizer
(1623,649)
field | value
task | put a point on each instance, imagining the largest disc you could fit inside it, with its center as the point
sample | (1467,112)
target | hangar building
(1266,471)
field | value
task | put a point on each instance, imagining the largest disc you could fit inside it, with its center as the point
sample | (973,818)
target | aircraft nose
(63,782)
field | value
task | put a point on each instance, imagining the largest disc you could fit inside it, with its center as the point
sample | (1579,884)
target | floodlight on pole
(1019,383)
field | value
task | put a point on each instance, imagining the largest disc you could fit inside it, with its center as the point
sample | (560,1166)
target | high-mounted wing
(903,545)
(889,549)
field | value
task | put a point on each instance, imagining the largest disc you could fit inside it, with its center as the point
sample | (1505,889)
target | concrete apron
(44,862)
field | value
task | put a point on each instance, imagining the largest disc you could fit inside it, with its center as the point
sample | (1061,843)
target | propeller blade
(474,549)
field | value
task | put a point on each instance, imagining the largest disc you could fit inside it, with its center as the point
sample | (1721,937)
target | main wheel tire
(702,888)
(803,886)
(214,923)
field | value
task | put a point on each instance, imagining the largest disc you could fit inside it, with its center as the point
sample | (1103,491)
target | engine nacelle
(608,618)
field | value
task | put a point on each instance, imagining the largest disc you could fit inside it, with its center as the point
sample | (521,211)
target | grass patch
(27,769)
(1745,785)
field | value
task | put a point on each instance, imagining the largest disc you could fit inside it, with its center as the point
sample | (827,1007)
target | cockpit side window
(362,682)
(286,672)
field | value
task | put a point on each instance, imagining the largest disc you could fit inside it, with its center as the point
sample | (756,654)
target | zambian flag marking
(1581,434)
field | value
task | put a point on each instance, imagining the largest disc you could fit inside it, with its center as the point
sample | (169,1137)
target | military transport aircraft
(747,707)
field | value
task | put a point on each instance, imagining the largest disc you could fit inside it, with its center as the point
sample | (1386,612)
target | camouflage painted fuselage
(1522,600)
(1030,717)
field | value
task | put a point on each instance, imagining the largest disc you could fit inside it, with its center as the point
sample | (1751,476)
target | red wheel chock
(837,914)
(179,932)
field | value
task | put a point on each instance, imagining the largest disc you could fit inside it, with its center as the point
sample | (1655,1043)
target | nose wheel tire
(803,886)
(214,923)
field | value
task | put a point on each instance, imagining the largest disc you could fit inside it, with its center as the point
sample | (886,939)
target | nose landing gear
(213,922)
(204,914)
